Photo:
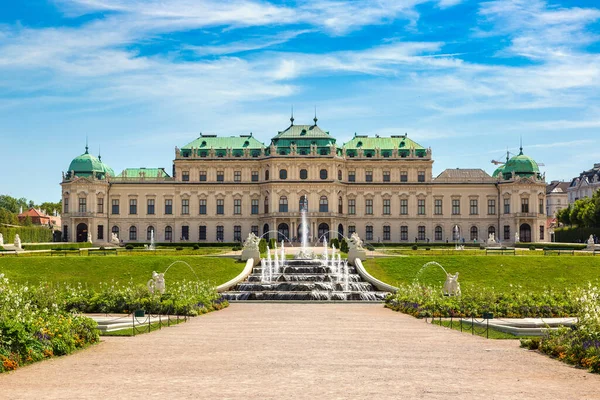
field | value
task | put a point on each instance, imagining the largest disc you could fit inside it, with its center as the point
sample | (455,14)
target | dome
(87,165)
(521,165)
(498,171)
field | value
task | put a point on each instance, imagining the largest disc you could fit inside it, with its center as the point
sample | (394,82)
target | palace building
(222,188)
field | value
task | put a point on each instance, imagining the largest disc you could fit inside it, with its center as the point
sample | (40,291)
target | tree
(27,221)
(563,216)
(49,207)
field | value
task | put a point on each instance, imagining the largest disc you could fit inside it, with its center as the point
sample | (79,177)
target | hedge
(575,234)
(57,246)
(186,244)
(28,234)
(421,244)
(551,246)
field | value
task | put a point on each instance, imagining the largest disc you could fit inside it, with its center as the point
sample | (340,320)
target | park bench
(102,252)
(501,250)
(558,251)
(64,252)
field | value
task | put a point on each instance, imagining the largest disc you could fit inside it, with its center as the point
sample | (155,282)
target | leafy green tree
(27,221)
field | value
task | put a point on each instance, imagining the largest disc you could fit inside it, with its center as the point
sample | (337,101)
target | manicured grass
(94,269)
(531,272)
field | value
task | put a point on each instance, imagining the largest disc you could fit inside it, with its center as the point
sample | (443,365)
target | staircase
(306,280)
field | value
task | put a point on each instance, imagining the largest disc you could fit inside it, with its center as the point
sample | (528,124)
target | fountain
(17,242)
(456,233)
(152,245)
(304,253)
(451,286)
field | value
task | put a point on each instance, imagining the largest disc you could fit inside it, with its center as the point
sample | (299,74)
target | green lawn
(94,269)
(531,272)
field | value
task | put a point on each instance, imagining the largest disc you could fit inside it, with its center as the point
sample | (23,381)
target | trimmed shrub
(344,246)
(575,234)
(179,248)
(236,248)
(196,247)
(414,247)
(57,246)
(28,234)
(262,245)
(532,248)
(272,243)
(129,247)
(335,242)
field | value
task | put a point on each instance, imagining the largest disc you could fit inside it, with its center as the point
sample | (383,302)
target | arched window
(323,174)
(339,175)
(115,230)
(492,230)
(323,231)
(283,174)
(266,204)
(266,175)
(340,205)
(283,232)
(132,233)
(323,204)
(149,233)
(168,233)
(438,233)
(283,204)
(303,203)
(474,233)
(303,174)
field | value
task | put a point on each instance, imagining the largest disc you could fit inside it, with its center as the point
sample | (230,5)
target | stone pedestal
(248,254)
(353,254)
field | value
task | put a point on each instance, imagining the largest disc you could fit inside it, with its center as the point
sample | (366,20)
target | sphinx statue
(451,286)
(157,283)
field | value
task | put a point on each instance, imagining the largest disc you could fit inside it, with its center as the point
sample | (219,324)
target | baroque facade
(222,188)
(585,184)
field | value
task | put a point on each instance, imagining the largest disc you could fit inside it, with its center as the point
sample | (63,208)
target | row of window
(323,174)
(185,232)
(323,206)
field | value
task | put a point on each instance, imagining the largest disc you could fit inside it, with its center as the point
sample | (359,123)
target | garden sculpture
(17,241)
(492,238)
(355,242)
(114,239)
(451,286)
(251,242)
(590,241)
(89,237)
(157,283)
(517,238)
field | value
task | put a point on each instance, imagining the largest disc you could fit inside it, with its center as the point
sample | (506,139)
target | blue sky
(466,78)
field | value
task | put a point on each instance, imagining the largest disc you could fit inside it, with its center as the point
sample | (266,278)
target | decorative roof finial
(507,156)
(99,156)
(292,117)
(315,118)
(521,147)
(86,144)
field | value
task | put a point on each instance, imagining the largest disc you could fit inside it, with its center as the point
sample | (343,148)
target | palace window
(220,176)
(474,233)
(100,235)
(386,176)
(100,205)
(437,209)
(82,204)
(266,205)
(403,206)
(283,174)
(421,232)
(185,206)
(237,206)
(506,232)
(168,233)
(492,229)
(404,233)
(115,230)
(283,204)
(185,232)
(266,175)
(351,229)
(150,207)
(237,176)
(351,206)
(473,207)
(438,233)
(303,174)
(369,232)
(368,176)
(421,176)
(403,176)
(491,206)
(254,206)
(386,207)
(202,210)
(220,233)
(369,206)
(220,206)
(506,206)
(541,232)
(386,232)
(339,175)
(132,233)
(168,206)
(149,231)
(237,233)
(541,206)
(66,205)
(351,176)
(202,232)
(254,229)
(455,207)
(323,204)
(525,205)
(132,206)
(340,205)
(303,203)
(254,176)
(115,206)
(202,176)
(185,176)
(421,206)
(323,174)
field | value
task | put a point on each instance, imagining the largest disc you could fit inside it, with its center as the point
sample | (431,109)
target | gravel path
(299,351)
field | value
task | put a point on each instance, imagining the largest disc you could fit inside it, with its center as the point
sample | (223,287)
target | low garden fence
(465,324)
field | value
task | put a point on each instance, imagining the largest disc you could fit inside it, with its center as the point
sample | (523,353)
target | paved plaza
(276,351)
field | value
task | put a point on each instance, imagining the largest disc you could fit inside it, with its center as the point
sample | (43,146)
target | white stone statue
(1,240)
(17,241)
(89,238)
(451,286)
(355,242)
(251,242)
(157,283)
(492,238)
(114,239)
(590,241)
(517,238)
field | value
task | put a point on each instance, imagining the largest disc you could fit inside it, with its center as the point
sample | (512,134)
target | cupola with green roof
(87,165)
(521,165)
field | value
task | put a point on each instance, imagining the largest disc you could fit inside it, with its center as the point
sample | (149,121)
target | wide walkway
(316,351)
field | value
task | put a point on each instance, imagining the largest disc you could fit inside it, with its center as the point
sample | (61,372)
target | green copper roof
(384,143)
(148,173)
(521,165)
(232,142)
(87,165)
(304,132)
(498,171)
